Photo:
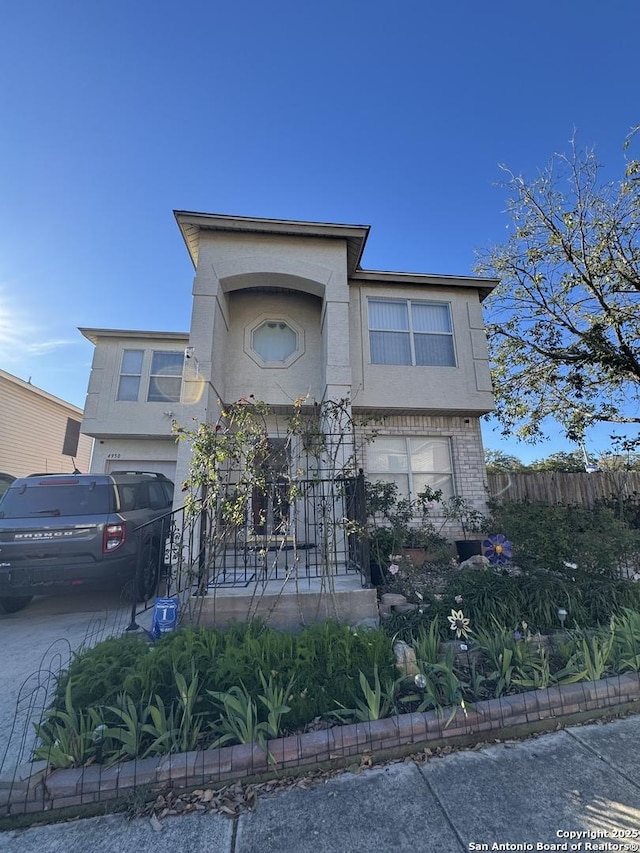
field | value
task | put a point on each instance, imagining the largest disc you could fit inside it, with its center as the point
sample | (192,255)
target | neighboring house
(39,433)
(282,310)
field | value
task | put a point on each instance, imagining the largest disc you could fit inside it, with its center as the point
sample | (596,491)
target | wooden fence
(554,487)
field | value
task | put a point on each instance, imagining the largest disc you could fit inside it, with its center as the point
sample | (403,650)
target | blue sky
(395,115)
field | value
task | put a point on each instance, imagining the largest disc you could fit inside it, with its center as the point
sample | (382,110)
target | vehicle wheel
(13,605)
(147,580)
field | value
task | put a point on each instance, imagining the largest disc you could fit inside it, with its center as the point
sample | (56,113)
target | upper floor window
(165,377)
(274,341)
(412,463)
(130,375)
(407,331)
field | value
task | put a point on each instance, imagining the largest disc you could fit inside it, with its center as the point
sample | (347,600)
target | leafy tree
(564,323)
(498,461)
(570,462)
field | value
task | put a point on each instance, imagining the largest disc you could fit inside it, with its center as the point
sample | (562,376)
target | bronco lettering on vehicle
(49,534)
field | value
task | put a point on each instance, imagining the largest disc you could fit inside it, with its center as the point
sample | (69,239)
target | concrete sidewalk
(578,789)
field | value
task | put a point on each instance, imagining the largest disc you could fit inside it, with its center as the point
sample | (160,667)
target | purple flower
(517,635)
(497,549)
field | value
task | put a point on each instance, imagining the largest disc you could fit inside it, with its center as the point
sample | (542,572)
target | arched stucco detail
(259,270)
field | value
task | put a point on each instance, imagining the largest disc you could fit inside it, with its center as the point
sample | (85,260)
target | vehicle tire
(14,604)
(146,582)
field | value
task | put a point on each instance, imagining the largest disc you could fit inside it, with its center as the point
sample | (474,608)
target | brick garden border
(31,788)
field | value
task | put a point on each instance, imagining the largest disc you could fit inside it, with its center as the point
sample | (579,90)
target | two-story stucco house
(281,310)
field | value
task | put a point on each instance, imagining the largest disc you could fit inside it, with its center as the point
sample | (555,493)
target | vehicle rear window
(52,501)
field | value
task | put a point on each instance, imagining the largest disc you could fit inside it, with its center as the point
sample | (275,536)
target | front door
(270,502)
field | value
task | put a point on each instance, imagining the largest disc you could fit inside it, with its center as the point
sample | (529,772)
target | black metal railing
(303,530)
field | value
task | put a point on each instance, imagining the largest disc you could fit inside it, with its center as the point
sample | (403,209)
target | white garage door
(153,466)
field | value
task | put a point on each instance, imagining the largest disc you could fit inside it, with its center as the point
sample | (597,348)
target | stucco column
(337,419)
(202,385)
(335,337)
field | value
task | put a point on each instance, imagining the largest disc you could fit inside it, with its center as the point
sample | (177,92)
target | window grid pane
(388,456)
(387,315)
(390,348)
(167,364)
(434,350)
(128,389)
(164,389)
(132,361)
(430,318)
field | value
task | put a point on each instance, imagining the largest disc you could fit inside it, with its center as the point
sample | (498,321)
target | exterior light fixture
(562,615)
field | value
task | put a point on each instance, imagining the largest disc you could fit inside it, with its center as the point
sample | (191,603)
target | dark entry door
(269,501)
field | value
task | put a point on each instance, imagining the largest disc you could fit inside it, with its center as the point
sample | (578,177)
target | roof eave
(484,286)
(191,223)
(94,335)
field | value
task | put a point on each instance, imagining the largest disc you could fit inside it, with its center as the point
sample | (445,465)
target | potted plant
(470,521)
(400,525)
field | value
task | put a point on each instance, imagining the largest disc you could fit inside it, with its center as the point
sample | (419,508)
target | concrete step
(288,605)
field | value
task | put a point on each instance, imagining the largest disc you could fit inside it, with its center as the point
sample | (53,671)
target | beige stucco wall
(125,454)
(32,429)
(245,373)
(229,263)
(104,415)
(464,388)
(233,262)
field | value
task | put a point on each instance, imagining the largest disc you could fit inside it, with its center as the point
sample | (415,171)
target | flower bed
(31,789)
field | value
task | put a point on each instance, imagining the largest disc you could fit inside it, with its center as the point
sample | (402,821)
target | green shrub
(97,674)
(535,597)
(323,663)
(548,536)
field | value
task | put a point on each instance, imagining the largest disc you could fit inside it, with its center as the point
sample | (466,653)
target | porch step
(289,605)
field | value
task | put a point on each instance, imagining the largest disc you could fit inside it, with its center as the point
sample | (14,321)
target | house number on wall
(113,456)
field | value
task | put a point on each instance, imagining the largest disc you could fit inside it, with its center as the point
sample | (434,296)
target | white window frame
(152,376)
(274,318)
(122,375)
(410,330)
(410,474)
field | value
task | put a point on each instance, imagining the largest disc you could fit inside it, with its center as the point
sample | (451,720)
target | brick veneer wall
(469,473)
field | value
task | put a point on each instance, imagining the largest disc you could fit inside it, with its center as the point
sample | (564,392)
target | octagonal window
(274,341)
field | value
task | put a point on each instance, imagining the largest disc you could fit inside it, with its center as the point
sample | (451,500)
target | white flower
(394,568)
(459,623)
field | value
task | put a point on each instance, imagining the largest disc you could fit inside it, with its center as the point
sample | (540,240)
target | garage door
(153,466)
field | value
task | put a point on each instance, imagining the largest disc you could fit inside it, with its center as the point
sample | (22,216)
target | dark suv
(68,530)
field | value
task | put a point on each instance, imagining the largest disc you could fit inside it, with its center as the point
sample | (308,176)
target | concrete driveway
(38,641)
